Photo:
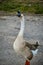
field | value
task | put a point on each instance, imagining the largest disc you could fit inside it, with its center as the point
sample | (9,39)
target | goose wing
(31,45)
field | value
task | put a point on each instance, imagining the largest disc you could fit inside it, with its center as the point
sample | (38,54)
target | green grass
(12,6)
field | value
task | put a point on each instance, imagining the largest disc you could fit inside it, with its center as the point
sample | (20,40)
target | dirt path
(9,28)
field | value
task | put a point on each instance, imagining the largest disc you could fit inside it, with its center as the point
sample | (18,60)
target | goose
(23,47)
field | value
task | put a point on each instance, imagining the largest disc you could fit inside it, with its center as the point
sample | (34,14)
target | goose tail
(34,52)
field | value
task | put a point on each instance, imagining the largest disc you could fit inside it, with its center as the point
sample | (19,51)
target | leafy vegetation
(24,5)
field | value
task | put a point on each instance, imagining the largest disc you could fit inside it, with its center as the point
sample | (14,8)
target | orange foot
(27,62)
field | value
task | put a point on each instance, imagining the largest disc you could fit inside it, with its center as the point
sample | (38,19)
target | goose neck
(22,26)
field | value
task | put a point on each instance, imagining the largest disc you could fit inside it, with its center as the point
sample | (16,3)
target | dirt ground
(9,28)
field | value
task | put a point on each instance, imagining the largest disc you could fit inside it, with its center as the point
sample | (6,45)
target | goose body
(21,46)
(18,43)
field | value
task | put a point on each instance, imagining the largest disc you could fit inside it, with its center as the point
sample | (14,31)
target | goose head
(19,14)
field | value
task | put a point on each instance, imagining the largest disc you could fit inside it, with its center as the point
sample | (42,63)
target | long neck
(22,27)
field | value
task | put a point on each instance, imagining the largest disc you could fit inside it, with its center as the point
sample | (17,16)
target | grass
(26,6)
